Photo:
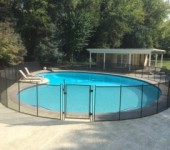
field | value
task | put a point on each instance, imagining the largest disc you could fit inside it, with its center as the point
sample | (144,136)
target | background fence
(66,99)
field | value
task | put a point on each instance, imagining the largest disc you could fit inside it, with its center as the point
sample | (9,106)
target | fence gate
(77,101)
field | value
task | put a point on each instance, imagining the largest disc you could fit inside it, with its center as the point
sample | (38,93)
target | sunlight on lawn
(165,63)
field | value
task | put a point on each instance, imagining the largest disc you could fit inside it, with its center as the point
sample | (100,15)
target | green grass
(166,63)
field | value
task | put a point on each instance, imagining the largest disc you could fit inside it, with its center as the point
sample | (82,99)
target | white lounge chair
(28,73)
(30,79)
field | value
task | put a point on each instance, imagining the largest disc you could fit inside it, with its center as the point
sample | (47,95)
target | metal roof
(126,50)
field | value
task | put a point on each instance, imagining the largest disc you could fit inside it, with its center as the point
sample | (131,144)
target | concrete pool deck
(21,132)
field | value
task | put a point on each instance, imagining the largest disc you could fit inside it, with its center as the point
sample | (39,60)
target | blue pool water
(83,92)
(84,78)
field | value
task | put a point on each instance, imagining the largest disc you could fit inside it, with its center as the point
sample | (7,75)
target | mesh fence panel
(131,102)
(28,98)
(163,96)
(80,101)
(49,101)
(3,85)
(107,103)
(77,101)
(149,101)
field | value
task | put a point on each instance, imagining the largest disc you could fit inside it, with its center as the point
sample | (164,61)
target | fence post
(120,101)
(6,87)
(19,99)
(37,97)
(65,99)
(93,99)
(168,95)
(142,73)
(90,103)
(61,101)
(16,70)
(148,72)
(94,105)
(157,105)
(141,111)
(154,73)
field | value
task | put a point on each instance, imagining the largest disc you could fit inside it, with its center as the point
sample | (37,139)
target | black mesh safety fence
(91,102)
(110,106)
(77,101)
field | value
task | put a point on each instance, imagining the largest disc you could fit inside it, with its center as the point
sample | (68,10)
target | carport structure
(128,57)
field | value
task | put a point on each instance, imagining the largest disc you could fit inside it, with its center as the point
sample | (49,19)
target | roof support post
(90,61)
(130,61)
(161,59)
(104,61)
(149,59)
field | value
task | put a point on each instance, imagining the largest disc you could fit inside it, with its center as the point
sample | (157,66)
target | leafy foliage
(146,33)
(76,21)
(47,51)
(164,39)
(51,29)
(33,22)
(117,18)
(11,48)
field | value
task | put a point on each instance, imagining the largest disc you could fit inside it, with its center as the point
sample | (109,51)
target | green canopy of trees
(12,49)
(164,38)
(147,33)
(51,30)
(117,18)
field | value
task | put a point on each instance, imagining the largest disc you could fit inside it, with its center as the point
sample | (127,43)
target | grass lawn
(166,63)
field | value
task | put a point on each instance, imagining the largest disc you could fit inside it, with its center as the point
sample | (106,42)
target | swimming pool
(85,92)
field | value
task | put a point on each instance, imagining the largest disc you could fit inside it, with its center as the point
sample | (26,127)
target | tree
(11,47)
(47,51)
(49,28)
(75,23)
(146,34)
(117,19)
(5,13)
(33,23)
(164,38)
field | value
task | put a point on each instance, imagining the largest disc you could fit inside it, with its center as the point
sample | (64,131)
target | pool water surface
(84,92)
